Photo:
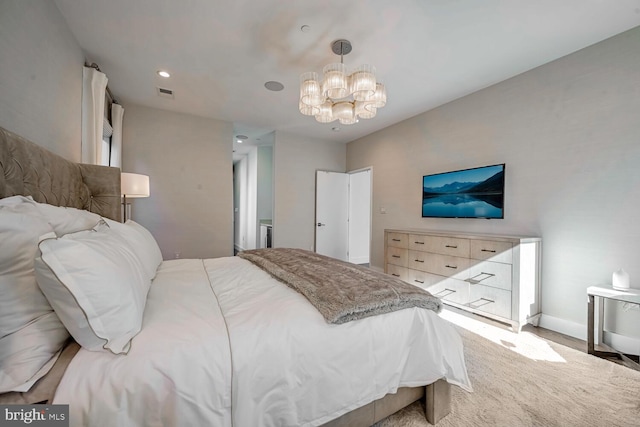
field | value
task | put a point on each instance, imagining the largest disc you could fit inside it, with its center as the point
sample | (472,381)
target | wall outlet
(177,254)
(383,210)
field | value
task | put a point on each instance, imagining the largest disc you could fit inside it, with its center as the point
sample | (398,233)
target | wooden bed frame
(437,405)
(30,170)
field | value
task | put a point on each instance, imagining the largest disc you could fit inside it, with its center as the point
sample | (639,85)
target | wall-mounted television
(467,193)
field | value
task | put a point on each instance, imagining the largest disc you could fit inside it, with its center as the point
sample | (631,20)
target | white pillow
(63,220)
(67,220)
(31,335)
(28,354)
(96,285)
(142,242)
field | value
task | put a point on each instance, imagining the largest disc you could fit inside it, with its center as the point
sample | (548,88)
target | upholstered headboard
(29,170)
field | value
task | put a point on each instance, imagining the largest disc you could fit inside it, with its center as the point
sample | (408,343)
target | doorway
(343,215)
(253,198)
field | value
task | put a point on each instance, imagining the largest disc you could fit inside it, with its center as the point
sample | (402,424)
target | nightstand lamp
(133,185)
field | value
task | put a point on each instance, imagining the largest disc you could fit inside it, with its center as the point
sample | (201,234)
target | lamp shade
(134,185)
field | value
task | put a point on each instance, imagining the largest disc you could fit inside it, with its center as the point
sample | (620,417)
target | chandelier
(341,96)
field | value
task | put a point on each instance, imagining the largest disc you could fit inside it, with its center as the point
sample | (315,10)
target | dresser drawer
(489,273)
(444,245)
(419,278)
(495,251)
(397,271)
(490,300)
(446,288)
(418,242)
(423,279)
(418,260)
(398,240)
(448,266)
(397,256)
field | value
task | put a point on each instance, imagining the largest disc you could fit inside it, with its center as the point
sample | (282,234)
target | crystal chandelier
(341,96)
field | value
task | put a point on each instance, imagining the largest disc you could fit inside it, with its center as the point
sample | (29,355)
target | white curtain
(94,84)
(117,112)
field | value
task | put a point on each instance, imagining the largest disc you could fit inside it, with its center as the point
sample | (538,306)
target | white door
(332,214)
(359,216)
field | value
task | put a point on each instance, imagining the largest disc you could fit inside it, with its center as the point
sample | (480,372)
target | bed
(219,341)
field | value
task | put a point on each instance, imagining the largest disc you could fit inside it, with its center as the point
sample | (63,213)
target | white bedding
(279,364)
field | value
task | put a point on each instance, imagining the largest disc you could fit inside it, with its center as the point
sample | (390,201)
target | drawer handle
(418,281)
(451,246)
(419,260)
(419,243)
(480,277)
(395,256)
(396,240)
(394,274)
(443,294)
(452,266)
(480,302)
(487,250)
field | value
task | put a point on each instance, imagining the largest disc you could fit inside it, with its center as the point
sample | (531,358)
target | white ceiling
(427,52)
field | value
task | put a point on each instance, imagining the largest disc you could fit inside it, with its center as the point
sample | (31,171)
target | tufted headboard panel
(29,170)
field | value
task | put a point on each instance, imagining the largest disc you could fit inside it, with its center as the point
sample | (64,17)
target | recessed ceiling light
(241,138)
(274,86)
(305,28)
(164,74)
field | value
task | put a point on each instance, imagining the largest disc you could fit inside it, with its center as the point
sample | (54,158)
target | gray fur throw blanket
(341,291)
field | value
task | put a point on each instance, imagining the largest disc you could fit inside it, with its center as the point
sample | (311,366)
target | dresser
(490,275)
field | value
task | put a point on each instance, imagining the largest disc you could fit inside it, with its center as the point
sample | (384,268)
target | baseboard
(625,344)
(359,260)
(563,326)
(238,248)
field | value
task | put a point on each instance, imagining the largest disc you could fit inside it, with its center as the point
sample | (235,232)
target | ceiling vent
(165,93)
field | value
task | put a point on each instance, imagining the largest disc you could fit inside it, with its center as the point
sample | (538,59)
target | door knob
(321,224)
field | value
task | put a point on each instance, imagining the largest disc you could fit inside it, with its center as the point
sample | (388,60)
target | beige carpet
(523,380)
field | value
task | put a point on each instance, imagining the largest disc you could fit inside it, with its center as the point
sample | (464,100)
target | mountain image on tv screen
(469,193)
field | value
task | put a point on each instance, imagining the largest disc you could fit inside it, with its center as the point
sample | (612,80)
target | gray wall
(188,160)
(295,163)
(569,133)
(40,76)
